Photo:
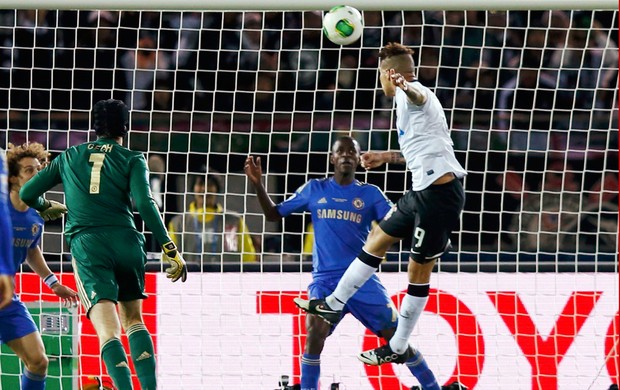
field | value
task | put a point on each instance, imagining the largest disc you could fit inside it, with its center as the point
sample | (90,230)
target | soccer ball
(343,25)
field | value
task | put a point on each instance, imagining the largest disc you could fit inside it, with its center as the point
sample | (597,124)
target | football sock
(32,381)
(142,355)
(310,371)
(115,360)
(418,367)
(359,271)
(410,309)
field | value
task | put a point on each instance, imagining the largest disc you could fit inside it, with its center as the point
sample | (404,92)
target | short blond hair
(397,56)
(393,49)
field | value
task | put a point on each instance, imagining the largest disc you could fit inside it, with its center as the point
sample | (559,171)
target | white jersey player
(428,213)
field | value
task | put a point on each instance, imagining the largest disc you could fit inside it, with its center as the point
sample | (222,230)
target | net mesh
(530,96)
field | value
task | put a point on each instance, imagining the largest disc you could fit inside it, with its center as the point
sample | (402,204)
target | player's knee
(130,314)
(378,242)
(129,322)
(106,334)
(387,334)
(37,363)
(420,273)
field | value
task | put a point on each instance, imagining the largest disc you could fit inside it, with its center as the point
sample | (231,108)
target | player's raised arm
(254,172)
(149,211)
(414,93)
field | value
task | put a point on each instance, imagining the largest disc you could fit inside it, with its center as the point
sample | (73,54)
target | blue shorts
(371,304)
(15,322)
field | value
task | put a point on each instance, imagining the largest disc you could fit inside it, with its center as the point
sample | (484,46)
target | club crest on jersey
(35,229)
(358,203)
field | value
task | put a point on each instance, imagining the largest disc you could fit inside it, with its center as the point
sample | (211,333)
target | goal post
(527,298)
(303,5)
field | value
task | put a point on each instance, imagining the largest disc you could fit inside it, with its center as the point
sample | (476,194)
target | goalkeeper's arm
(147,207)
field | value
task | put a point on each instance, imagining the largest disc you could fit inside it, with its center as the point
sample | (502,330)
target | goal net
(527,298)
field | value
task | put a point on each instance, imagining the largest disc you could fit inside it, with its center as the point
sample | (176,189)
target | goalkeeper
(107,250)
(343,210)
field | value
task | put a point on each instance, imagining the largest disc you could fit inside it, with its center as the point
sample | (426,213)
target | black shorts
(429,217)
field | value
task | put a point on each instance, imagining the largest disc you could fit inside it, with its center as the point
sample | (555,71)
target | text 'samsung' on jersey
(342,217)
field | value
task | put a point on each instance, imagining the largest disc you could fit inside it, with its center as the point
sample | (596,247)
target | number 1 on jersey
(95,174)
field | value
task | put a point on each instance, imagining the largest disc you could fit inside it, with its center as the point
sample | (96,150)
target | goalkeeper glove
(178,268)
(52,210)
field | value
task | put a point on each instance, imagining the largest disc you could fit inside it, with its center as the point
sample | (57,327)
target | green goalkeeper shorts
(108,264)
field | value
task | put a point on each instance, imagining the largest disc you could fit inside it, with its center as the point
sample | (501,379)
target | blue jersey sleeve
(6,232)
(296,203)
(381,204)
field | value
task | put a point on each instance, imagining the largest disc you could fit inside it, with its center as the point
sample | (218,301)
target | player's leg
(415,363)
(317,332)
(362,268)
(359,271)
(395,225)
(22,336)
(92,259)
(105,320)
(413,303)
(438,209)
(140,343)
(31,351)
(130,278)
(374,308)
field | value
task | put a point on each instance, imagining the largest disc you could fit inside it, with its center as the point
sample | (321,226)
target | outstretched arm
(254,172)
(149,211)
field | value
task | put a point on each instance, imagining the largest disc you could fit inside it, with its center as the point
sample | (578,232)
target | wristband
(46,205)
(50,280)
(169,248)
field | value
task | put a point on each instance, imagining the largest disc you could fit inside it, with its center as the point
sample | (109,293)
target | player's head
(345,155)
(398,57)
(23,162)
(206,188)
(110,118)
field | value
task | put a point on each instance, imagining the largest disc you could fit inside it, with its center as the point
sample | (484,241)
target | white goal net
(527,298)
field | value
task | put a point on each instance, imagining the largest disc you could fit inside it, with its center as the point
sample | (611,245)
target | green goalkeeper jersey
(99,180)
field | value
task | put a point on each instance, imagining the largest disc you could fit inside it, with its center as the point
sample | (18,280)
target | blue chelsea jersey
(342,217)
(27,230)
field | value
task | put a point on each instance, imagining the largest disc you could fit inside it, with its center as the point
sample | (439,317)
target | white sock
(410,309)
(354,277)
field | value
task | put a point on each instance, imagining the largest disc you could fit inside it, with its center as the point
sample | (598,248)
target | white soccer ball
(343,25)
